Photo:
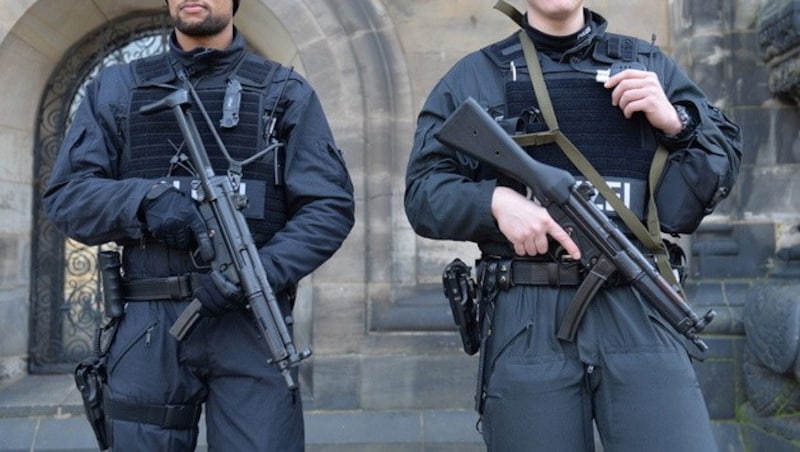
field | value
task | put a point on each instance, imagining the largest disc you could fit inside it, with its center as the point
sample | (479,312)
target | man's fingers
(561,236)
(204,245)
(536,245)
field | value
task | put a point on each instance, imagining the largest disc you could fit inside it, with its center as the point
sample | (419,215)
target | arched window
(66,306)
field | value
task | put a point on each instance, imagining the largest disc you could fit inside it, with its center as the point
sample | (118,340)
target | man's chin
(200,27)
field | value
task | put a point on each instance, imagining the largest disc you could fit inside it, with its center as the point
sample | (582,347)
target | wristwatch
(688,123)
(683,114)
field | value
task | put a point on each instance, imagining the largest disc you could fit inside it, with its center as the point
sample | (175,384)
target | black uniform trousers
(627,371)
(222,363)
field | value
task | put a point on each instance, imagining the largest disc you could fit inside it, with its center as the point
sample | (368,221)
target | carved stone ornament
(779,40)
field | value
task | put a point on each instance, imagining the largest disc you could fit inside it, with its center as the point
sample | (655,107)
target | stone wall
(741,258)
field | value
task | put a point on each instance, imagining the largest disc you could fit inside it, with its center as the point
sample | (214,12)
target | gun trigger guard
(197,260)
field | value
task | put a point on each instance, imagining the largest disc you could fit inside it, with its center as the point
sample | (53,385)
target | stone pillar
(771,366)
(734,255)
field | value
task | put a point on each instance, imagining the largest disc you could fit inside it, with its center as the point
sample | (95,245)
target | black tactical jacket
(89,200)
(448,195)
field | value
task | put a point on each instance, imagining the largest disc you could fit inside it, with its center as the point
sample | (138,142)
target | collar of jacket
(205,61)
(561,47)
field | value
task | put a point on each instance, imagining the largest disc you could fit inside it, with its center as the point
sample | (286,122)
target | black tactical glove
(217,295)
(173,219)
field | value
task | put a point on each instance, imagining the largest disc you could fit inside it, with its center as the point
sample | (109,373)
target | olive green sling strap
(650,236)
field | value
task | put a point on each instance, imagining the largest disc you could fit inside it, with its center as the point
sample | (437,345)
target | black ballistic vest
(156,149)
(620,149)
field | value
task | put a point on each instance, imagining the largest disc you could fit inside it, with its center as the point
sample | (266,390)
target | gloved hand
(218,295)
(173,219)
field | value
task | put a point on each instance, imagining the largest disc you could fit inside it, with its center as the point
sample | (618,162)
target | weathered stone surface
(779,40)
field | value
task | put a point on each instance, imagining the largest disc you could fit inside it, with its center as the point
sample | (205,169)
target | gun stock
(471,130)
(604,248)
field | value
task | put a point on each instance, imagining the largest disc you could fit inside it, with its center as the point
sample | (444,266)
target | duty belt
(515,272)
(170,288)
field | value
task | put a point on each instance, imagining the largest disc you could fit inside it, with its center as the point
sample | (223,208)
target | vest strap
(513,13)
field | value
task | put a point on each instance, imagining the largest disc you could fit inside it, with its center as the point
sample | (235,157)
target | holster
(90,376)
(461,291)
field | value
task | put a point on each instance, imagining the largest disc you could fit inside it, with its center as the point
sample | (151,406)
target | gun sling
(650,235)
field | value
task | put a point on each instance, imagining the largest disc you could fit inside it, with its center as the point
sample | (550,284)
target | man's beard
(210,26)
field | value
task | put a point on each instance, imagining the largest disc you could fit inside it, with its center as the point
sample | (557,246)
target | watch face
(684,116)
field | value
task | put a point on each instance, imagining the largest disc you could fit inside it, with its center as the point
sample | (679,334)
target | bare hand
(635,90)
(527,225)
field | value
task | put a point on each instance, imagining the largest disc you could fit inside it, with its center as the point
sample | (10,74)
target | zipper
(147,334)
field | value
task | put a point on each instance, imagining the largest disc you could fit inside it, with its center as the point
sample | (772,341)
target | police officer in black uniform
(124,177)
(627,370)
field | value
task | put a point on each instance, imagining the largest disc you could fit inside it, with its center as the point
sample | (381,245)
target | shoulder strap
(572,152)
(650,236)
(255,71)
(156,69)
(513,13)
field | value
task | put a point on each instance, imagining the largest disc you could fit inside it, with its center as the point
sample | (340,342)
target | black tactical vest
(155,149)
(620,149)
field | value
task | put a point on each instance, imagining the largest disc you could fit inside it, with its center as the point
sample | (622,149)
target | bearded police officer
(616,98)
(124,177)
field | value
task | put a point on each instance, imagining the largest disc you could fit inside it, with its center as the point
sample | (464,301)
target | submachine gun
(235,259)
(604,248)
